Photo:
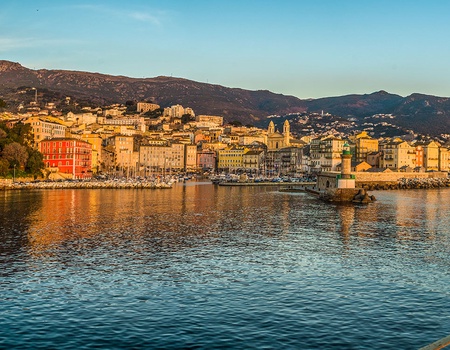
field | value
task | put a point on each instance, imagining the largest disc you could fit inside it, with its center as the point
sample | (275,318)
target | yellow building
(398,154)
(444,159)
(158,158)
(124,156)
(326,153)
(231,158)
(190,157)
(96,141)
(44,129)
(431,156)
(364,145)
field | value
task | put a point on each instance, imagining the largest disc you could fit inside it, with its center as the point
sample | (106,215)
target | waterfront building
(231,158)
(444,159)
(70,157)
(96,141)
(431,156)
(291,161)
(206,160)
(125,155)
(253,161)
(326,153)
(190,157)
(168,157)
(398,154)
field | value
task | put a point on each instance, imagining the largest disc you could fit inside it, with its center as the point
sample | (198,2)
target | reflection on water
(207,266)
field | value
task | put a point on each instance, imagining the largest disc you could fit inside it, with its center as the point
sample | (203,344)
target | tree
(16,154)
(236,123)
(2,104)
(35,162)
(186,118)
(4,167)
(22,134)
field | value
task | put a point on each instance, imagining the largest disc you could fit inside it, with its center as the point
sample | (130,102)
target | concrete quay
(109,184)
(279,184)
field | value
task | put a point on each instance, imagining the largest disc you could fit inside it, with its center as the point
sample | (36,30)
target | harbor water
(200,266)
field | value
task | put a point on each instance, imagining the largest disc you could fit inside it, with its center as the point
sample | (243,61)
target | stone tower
(287,133)
(271,129)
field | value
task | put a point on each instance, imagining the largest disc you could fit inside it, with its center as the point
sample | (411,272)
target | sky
(304,48)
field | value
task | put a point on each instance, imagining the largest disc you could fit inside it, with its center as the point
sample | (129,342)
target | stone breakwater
(406,183)
(85,185)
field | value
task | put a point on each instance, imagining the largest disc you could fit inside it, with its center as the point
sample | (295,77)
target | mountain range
(424,114)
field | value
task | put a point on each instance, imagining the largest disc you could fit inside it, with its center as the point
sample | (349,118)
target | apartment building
(231,158)
(398,154)
(364,145)
(143,107)
(253,161)
(44,129)
(206,160)
(326,153)
(68,156)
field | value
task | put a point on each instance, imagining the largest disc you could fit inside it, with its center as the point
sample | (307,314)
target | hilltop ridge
(424,113)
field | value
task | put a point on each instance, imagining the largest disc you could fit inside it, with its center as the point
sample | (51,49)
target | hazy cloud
(10,43)
(143,16)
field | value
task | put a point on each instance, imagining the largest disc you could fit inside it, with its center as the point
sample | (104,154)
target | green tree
(35,162)
(3,134)
(186,118)
(4,167)
(22,134)
(16,154)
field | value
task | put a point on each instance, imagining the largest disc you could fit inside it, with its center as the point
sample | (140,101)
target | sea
(202,266)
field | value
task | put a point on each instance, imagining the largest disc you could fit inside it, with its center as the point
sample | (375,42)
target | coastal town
(143,139)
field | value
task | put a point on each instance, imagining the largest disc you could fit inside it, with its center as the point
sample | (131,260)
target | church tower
(287,133)
(271,129)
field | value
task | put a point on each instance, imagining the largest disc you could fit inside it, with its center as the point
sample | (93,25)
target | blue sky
(305,48)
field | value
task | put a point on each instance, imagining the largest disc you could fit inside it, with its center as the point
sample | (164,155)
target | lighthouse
(346,179)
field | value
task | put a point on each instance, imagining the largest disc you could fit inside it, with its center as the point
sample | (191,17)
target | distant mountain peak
(7,66)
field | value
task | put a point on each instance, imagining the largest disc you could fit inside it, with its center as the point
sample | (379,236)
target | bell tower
(286,133)
(271,129)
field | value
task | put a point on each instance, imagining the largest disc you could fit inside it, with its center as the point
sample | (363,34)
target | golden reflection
(347,218)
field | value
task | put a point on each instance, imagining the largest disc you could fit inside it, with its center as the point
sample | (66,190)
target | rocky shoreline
(406,184)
